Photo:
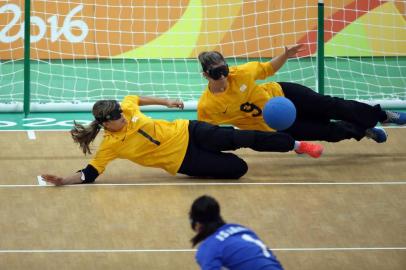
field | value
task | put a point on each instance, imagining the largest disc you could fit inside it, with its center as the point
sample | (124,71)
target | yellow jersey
(145,141)
(242,101)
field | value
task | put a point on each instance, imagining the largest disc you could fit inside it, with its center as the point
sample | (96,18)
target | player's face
(217,75)
(218,72)
(116,125)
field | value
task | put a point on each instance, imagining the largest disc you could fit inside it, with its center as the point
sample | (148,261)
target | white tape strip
(31,135)
(40,181)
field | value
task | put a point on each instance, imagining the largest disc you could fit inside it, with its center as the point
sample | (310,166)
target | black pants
(204,156)
(314,112)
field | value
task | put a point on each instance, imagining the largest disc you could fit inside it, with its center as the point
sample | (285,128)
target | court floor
(345,210)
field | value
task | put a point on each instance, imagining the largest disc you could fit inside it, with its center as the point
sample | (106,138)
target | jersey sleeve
(259,71)
(103,156)
(131,103)
(209,258)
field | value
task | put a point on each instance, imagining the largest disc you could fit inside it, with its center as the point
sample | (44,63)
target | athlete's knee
(238,168)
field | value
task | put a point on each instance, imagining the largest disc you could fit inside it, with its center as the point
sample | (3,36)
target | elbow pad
(89,174)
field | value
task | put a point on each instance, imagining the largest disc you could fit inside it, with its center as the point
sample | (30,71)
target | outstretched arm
(59,181)
(86,175)
(161,101)
(278,61)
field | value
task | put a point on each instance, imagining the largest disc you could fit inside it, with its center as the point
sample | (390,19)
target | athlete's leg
(330,131)
(312,105)
(216,138)
(203,163)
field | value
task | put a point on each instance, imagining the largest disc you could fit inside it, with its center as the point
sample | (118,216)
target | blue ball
(279,113)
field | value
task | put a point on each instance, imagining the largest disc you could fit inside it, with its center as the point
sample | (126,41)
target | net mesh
(86,50)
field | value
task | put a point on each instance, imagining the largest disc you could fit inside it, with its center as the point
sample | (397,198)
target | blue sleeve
(209,257)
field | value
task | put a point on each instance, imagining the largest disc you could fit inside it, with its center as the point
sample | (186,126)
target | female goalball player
(232,246)
(233,97)
(188,147)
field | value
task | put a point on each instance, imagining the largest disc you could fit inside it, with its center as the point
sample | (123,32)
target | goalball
(279,113)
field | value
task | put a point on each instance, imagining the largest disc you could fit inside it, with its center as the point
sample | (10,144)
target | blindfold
(215,73)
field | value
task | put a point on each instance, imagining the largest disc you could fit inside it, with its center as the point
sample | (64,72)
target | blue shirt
(235,247)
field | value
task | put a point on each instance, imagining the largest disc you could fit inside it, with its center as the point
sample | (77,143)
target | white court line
(40,181)
(222,184)
(31,135)
(188,250)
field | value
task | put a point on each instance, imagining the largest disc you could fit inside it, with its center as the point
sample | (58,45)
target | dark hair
(206,211)
(208,59)
(84,135)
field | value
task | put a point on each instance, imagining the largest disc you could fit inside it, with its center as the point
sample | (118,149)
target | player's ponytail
(206,230)
(84,135)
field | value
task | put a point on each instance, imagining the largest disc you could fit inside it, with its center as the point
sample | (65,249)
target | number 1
(257,242)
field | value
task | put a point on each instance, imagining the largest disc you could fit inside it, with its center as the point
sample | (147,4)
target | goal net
(85,50)
(365,51)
